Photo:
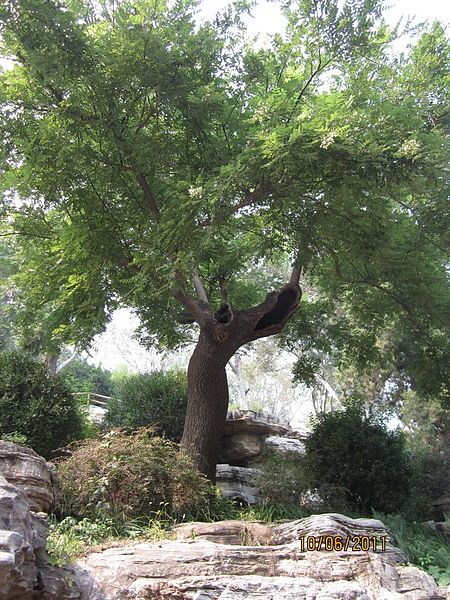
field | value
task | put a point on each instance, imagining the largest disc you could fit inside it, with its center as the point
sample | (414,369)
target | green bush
(80,376)
(431,478)
(282,478)
(36,406)
(124,476)
(355,458)
(157,399)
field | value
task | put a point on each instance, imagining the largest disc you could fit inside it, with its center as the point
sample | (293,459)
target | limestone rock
(25,573)
(226,532)
(241,447)
(18,573)
(29,472)
(285,445)
(254,423)
(237,483)
(201,569)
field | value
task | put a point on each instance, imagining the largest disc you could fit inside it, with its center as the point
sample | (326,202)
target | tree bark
(221,334)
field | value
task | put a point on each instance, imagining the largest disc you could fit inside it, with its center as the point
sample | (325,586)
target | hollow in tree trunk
(221,334)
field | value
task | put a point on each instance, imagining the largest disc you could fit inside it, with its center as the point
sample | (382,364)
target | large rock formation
(29,472)
(231,560)
(25,487)
(239,560)
(237,483)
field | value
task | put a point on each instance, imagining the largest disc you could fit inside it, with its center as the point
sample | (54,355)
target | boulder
(285,445)
(25,573)
(251,422)
(241,447)
(236,483)
(275,567)
(29,472)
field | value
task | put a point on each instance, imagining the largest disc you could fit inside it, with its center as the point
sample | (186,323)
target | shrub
(357,457)
(282,479)
(431,478)
(36,406)
(123,476)
(80,376)
(158,398)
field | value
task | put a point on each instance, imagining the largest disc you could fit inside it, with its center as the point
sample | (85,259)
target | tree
(159,161)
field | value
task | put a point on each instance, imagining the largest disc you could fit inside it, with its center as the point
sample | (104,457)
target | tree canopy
(144,153)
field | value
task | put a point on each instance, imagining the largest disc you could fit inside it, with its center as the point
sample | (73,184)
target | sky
(267,17)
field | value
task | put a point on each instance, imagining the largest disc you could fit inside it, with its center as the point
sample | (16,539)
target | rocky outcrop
(241,447)
(253,561)
(206,561)
(25,573)
(285,445)
(29,472)
(237,483)
(249,421)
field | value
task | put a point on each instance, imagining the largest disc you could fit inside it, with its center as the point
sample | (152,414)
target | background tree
(159,161)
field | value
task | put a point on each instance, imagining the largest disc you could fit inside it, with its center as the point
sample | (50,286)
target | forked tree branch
(250,197)
(201,293)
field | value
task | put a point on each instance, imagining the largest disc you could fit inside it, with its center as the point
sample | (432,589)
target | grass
(424,547)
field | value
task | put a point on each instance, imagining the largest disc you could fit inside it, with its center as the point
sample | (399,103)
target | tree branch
(200,312)
(250,197)
(148,195)
(202,296)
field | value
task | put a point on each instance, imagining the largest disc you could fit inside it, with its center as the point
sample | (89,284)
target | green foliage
(424,547)
(124,476)
(15,438)
(158,398)
(134,137)
(69,538)
(431,478)
(357,458)
(36,405)
(80,376)
(283,479)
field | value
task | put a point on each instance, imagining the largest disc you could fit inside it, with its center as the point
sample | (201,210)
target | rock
(285,445)
(254,423)
(236,483)
(28,471)
(18,573)
(226,532)
(202,569)
(241,447)
(25,573)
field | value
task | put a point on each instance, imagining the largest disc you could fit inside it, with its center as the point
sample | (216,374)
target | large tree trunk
(222,333)
(207,403)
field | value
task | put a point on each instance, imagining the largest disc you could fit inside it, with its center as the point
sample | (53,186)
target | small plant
(70,538)
(282,479)
(15,438)
(123,476)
